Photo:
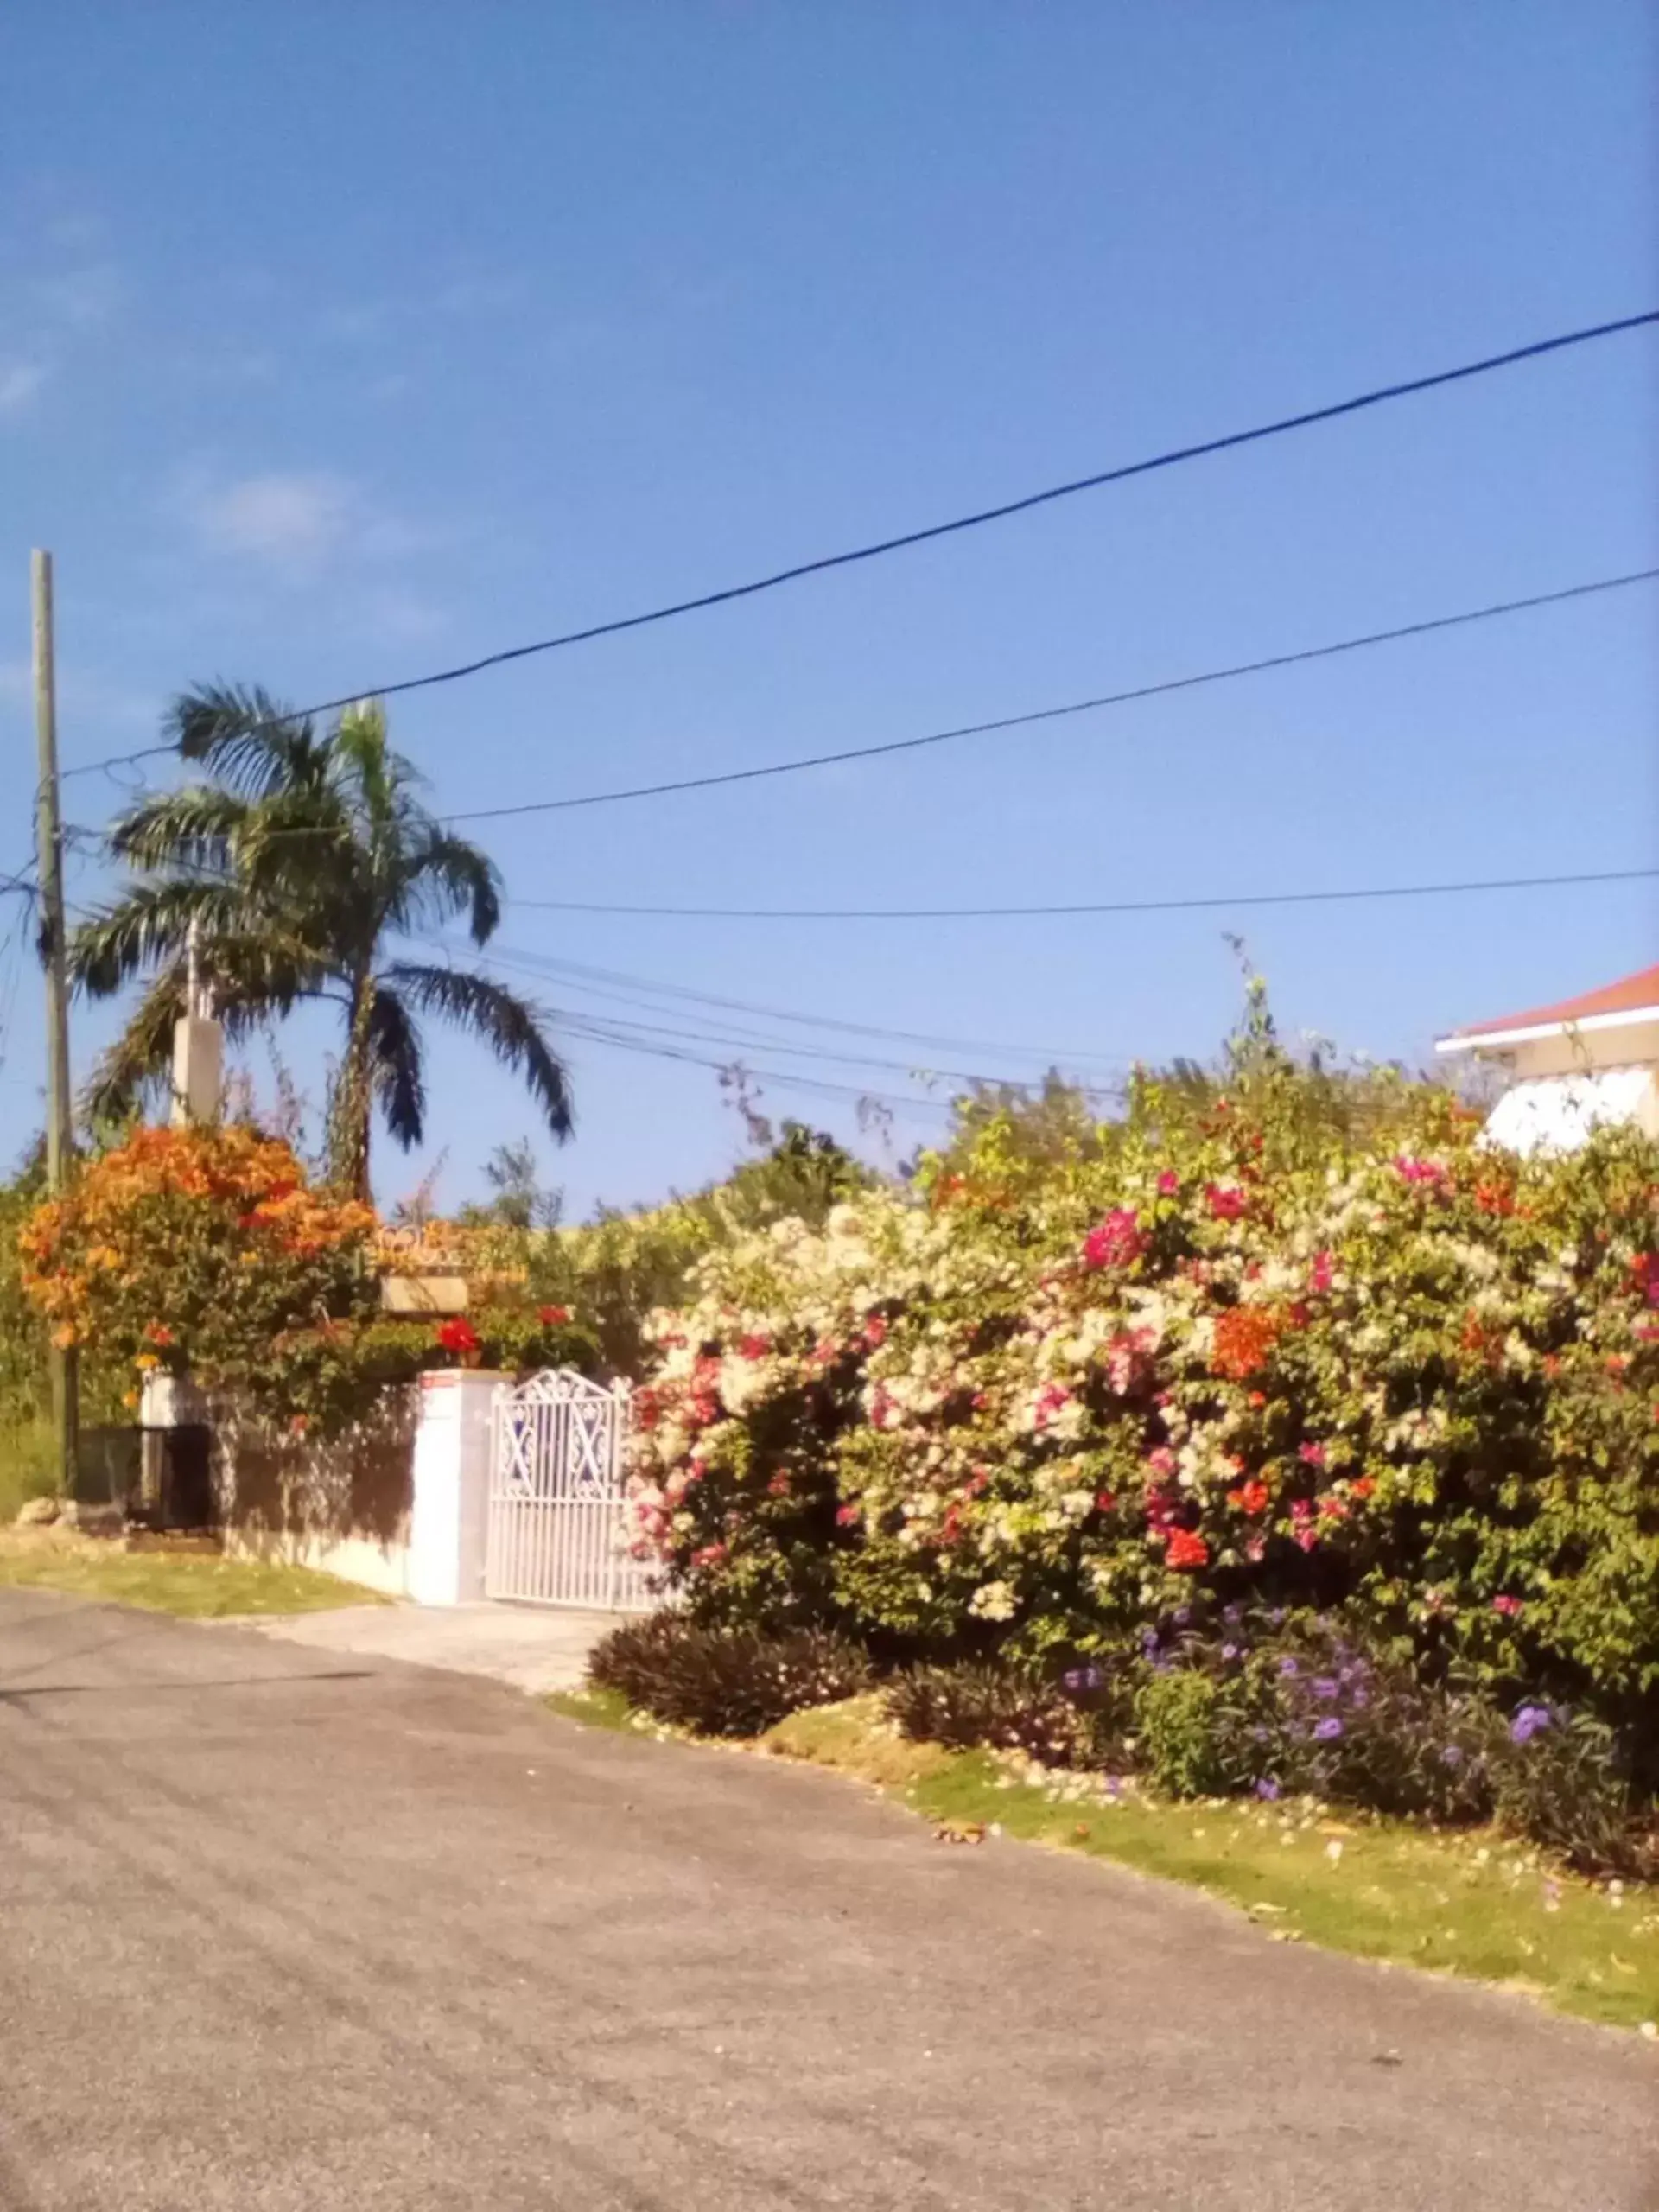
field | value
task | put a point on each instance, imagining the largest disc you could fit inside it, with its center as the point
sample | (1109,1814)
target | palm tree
(284,877)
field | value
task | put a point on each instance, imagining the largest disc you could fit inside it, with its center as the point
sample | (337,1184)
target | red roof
(1633,995)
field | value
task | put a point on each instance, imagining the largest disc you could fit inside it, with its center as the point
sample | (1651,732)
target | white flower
(992,1601)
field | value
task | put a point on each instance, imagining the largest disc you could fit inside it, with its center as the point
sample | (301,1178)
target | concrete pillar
(449,1520)
(198,1070)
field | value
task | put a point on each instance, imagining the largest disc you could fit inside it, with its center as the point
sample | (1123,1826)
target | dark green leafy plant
(1012,1708)
(724,1682)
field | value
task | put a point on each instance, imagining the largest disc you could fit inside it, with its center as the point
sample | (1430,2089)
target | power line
(117,760)
(1200,679)
(1184,905)
(1422,629)
(736,1036)
(1377,397)
(590,979)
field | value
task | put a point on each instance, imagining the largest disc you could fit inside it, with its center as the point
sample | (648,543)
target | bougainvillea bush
(1246,1351)
(208,1253)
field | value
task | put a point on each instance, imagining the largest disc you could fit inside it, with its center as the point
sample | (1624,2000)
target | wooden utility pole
(60,1129)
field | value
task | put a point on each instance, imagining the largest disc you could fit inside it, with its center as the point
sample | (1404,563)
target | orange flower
(1249,1497)
(1244,1337)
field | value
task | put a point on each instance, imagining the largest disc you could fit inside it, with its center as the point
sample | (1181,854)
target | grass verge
(1475,1905)
(194,1586)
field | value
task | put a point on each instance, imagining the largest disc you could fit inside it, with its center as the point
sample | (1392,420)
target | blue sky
(339,343)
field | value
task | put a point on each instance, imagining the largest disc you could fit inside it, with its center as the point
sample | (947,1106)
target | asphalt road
(285,1929)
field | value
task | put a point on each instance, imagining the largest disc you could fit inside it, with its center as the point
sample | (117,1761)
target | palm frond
(147,926)
(138,1068)
(192,828)
(248,739)
(397,1073)
(444,875)
(513,1027)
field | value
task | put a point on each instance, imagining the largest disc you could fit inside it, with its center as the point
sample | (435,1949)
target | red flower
(1187,1550)
(457,1334)
(754,1347)
(1105,1500)
(1168,1183)
(159,1334)
(1249,1497)
(552,1317)
(1362,1487)
(1226,1202)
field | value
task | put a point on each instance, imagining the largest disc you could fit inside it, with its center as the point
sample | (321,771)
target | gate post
(449,1516)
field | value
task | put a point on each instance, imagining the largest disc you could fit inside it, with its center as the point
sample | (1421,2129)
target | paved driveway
(536,1648)
(286,1929)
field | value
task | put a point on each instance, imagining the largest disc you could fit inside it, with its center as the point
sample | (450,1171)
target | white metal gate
(557,1530)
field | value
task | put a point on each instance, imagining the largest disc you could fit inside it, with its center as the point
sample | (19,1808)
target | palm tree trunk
(353,1105)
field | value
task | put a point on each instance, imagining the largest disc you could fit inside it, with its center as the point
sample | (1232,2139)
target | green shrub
(724,1682)
(1187,1740)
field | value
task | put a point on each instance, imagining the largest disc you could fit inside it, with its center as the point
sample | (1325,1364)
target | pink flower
(883,1412)
(1168,1183)
(1509,1607)
(711,1555)
(1418,1170)
(755,1347)
(1051,1399)
(1161,1461)
(849,1516)
(1310,1455)
(1322,1273)
(875,1331)
(1117,1242)
(1226,1201)
(1302,1510)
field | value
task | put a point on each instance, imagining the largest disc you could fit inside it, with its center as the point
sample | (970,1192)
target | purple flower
(1324,1730)
(1451,1755)
(1287,1667)
(1233,1615)
(1267,1788)
(1325,1686)
(1083,1678)
(1182,1616)
(1528,1722)
(1230,1651)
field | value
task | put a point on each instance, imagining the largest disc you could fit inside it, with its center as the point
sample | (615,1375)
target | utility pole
(59,1130)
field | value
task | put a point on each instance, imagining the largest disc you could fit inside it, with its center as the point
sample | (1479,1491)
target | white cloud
(20,382)
(296,519)
(301,522)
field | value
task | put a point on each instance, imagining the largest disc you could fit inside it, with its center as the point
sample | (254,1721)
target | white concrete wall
(449,1521)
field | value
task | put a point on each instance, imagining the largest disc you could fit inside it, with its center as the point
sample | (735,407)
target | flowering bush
(205,1252)
(198,1250)
(1235,1351)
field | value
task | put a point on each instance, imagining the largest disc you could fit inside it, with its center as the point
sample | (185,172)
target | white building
(1589,1060)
